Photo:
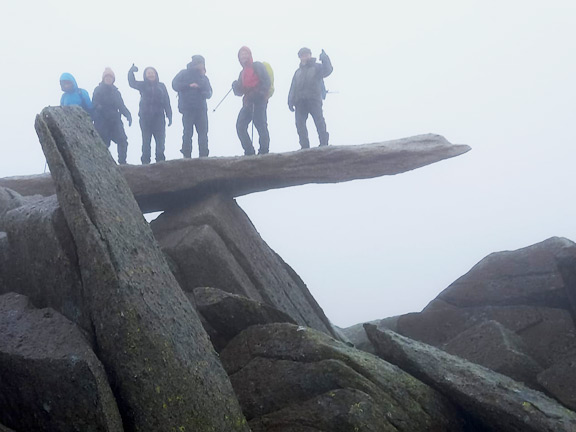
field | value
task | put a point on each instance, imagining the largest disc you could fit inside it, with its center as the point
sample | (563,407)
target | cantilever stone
(178,182)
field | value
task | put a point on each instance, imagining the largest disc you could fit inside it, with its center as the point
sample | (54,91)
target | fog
(497,76)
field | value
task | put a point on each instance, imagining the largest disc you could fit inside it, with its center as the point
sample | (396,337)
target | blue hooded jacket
(75,96)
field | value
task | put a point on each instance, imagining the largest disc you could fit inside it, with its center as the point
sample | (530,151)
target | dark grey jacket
(108,105)
(154,99)
(308,81)
(192,98)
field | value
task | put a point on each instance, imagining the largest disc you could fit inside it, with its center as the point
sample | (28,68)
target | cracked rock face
(278,369)
(216,234)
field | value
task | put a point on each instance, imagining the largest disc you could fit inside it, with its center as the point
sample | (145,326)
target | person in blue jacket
(72,94)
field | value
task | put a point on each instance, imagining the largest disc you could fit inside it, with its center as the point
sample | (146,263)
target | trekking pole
(253,105)
(214,110)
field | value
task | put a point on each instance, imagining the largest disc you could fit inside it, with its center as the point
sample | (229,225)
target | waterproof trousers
(153,127)
(195,118)
(254,112)
(314,108)
(113,130)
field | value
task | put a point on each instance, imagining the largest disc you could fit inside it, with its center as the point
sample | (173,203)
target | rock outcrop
(292,378)
(216,234)
(137,301)
(56,382)
(513,312)
(179,182)
(163,370)
(496,402)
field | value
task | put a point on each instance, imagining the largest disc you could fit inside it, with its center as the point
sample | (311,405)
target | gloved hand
(134,68)
(323,56)
(129,118)
(236,88)
(169,121)
(291,107)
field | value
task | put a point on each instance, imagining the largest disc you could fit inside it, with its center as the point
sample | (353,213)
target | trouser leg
(118,135)
(160,138)
(146,129)
(319,121)
(188,126)
(202,130)
(261,123)
(301,115)
(122,152)
(244,119)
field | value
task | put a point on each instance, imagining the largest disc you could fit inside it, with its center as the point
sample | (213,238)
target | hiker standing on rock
(193,87)
(72,94)
(108,108)
(254,84)
(306,94)
(154,109)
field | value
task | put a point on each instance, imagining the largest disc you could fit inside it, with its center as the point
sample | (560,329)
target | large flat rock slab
(497,402)
(162,368)
(164,185)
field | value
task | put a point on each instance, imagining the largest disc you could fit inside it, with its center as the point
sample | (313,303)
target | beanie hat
(108,72)
(303,51)
(198,59)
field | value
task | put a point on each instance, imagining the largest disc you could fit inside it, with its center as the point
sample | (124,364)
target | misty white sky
(496,75)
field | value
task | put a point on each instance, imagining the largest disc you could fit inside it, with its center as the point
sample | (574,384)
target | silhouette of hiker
(193,87)
(108,108)
(306,94)
(254,84)
(154,109)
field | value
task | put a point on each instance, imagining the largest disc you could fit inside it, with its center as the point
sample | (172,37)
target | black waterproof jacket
(192,98)
(108,105)
(154,99)
(308,81)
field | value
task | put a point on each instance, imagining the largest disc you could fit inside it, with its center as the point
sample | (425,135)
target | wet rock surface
(254,270)
(51,380)
(162,368)
(278,368)
(229,314)
(496,402)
